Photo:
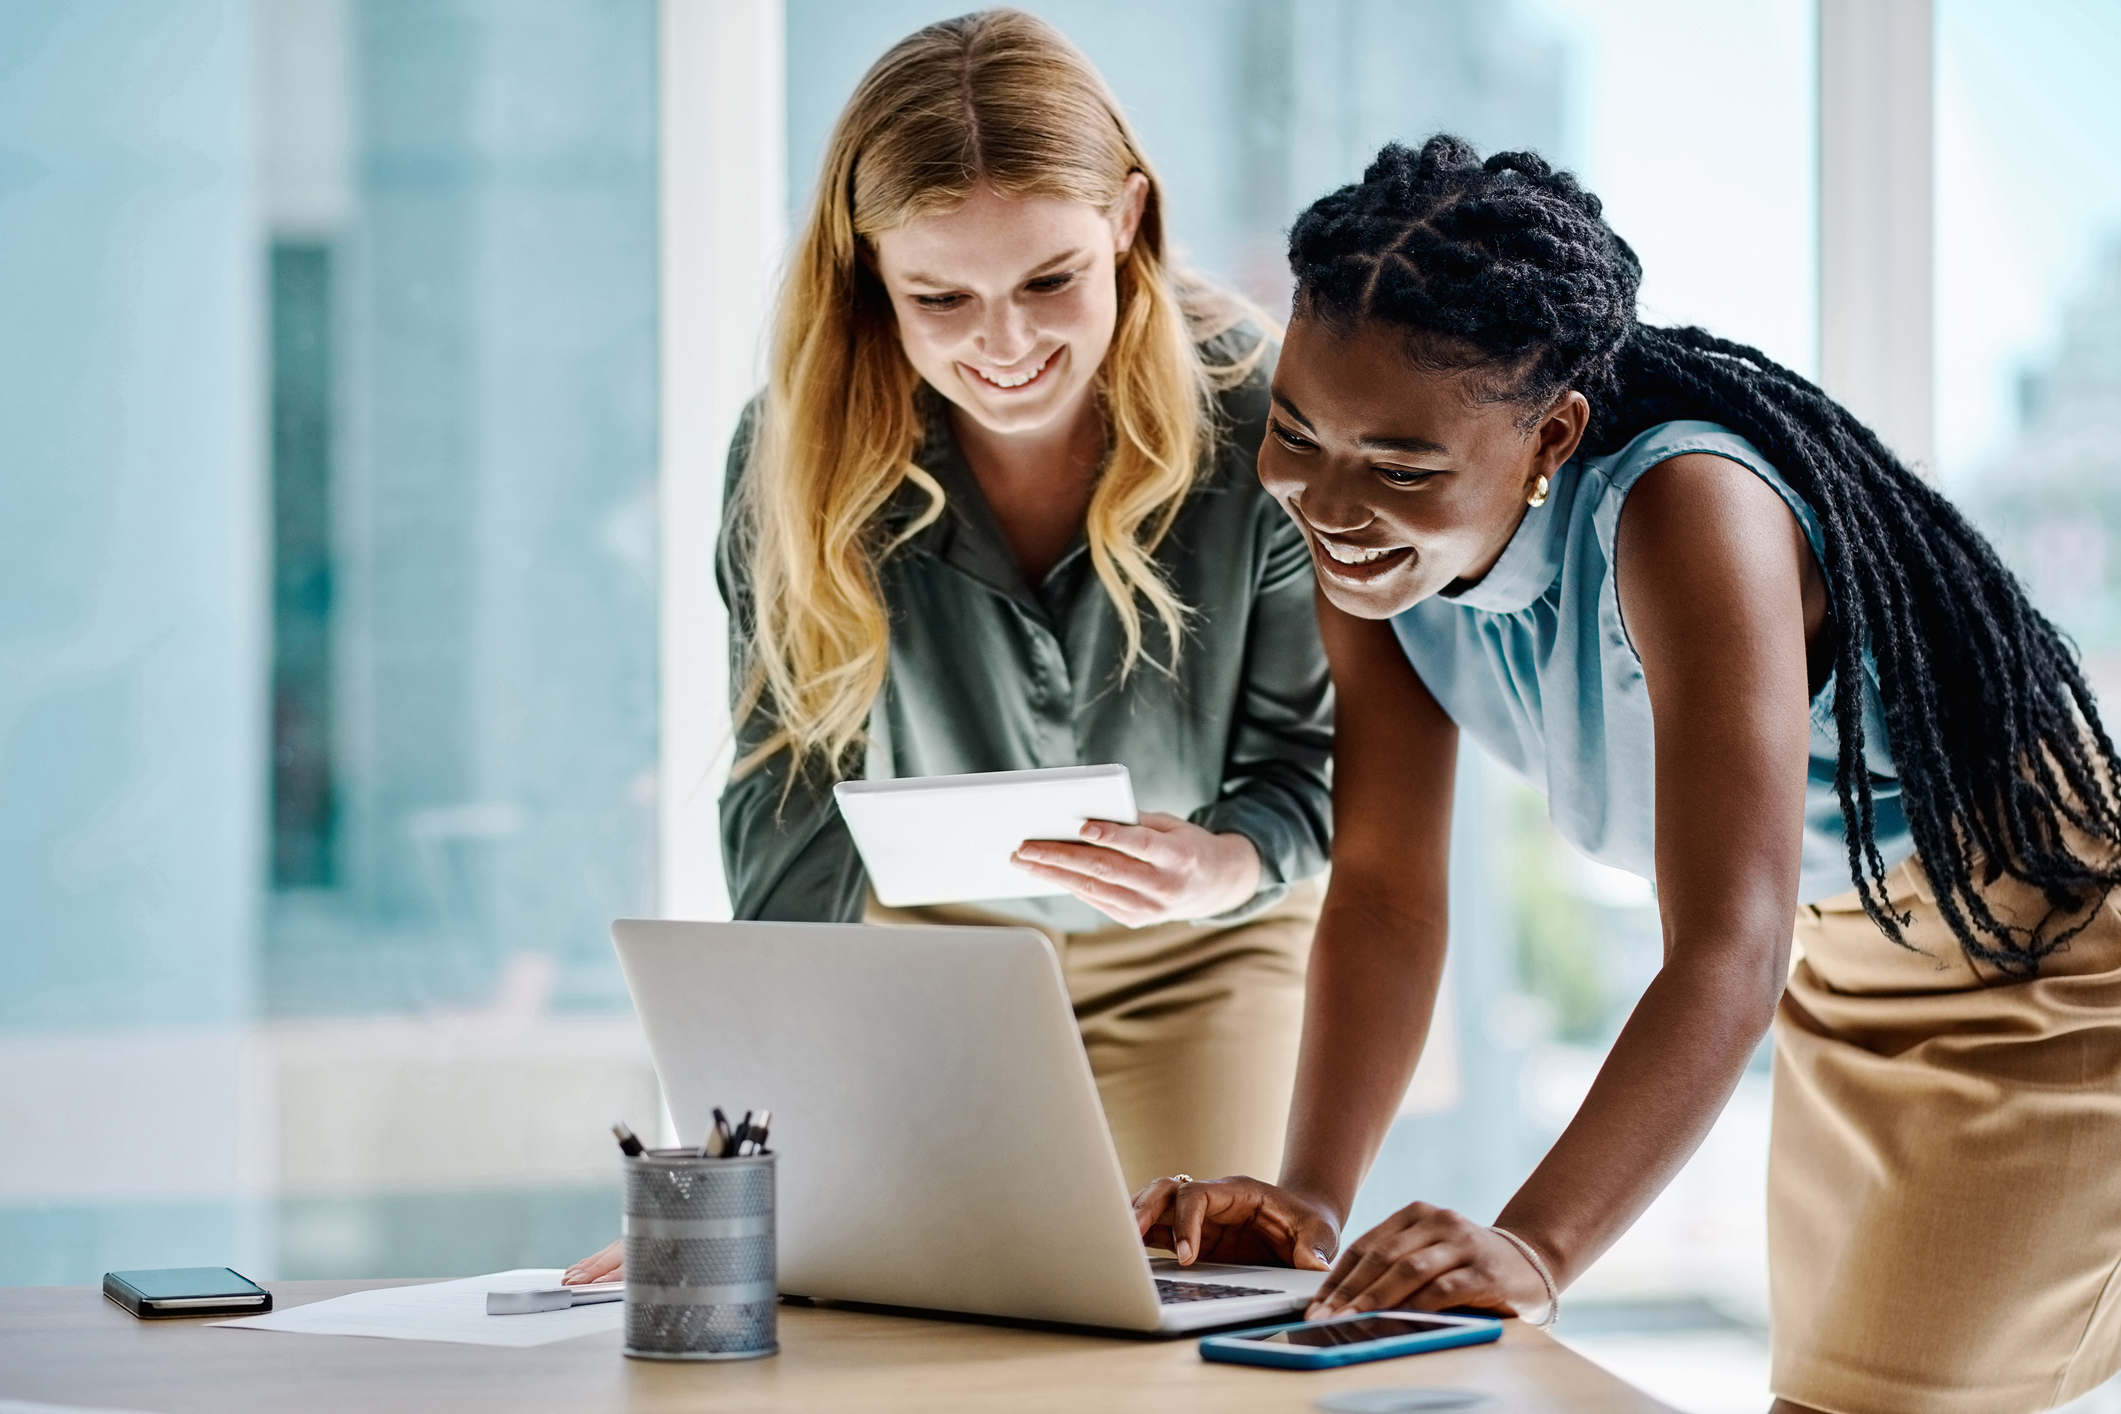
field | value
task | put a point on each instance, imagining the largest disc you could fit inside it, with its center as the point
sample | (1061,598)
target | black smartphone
(186,1291)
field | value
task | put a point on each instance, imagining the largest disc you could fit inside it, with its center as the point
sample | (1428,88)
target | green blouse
(990,673)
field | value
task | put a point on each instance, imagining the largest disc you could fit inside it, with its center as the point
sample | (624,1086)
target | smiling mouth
(1348,562)
(1010,382)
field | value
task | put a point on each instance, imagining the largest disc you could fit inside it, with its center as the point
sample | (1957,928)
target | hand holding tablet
(1028,834)
(1162,870)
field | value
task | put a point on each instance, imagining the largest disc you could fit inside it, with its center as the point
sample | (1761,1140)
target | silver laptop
(939,1136)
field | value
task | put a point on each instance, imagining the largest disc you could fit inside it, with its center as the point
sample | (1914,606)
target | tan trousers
(1944,1177)
(1191,1030)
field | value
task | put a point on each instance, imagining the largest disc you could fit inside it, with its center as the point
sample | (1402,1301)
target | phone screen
(180,1283)
(1355,1332)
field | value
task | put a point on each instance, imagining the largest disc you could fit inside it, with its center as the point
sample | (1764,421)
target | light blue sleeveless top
(1534,664)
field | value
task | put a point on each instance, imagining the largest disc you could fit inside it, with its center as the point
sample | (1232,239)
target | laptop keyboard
(1174,1293)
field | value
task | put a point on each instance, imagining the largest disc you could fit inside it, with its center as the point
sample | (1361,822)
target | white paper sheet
(452,1311)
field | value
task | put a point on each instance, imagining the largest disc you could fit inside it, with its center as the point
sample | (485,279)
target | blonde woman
(997,509)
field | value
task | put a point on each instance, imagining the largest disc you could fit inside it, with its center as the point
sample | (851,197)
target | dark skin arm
(1376,960)
(1713,588)
(1721,599)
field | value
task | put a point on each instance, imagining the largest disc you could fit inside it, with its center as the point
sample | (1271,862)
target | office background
(354,499)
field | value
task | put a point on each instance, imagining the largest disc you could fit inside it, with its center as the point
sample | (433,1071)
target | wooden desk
(67,1345)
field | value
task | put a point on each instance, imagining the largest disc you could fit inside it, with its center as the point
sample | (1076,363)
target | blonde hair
(1000,98)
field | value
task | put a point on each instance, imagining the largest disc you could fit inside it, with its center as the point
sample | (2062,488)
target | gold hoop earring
(1538,497)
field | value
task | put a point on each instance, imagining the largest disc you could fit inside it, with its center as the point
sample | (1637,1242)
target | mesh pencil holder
(700,1279)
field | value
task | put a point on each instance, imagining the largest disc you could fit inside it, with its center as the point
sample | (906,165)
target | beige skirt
(1944,1179)
(1191,1030)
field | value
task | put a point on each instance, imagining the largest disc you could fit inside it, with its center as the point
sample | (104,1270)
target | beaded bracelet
(1546,1278)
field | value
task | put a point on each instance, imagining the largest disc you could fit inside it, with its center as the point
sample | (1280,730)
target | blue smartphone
(1349,1340)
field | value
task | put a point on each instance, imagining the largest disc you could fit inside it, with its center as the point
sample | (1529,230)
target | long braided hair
(1506,270)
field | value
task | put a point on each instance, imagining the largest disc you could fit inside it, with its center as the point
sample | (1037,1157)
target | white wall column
(1877,346)
(724,199)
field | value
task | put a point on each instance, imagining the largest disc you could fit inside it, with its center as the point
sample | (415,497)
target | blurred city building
(2053,501)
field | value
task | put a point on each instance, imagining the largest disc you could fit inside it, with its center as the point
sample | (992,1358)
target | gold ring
(1182,1178)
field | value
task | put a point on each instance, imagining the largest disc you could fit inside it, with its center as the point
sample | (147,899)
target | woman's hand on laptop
(1427,1258)
(1241,1220)
(607,1265)
(1163,869)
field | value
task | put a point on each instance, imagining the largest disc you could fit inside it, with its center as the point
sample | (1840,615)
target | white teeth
(1016,380)
(1347,556)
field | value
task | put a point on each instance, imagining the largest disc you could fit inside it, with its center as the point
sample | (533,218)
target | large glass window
(327,733)
(2029,299)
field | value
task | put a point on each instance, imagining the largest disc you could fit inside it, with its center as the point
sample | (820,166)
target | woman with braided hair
(1745,653)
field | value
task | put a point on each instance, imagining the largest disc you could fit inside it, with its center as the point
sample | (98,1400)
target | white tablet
(947,839)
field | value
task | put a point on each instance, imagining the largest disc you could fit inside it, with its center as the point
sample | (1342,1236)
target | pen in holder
(700,1277)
